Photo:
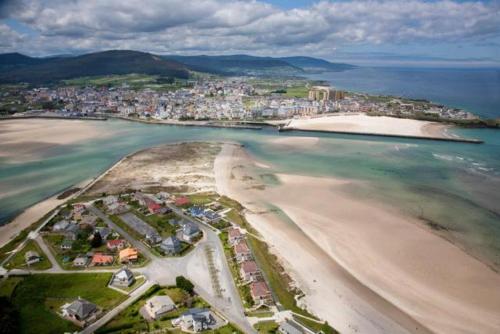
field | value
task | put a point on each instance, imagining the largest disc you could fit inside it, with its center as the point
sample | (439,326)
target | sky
(365,32)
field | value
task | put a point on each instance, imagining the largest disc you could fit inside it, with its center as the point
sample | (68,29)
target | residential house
(260,293)
(108,200)
(128,255)
(153,238)
(234,236)
(123,278)
(117,244)
(118,208)
(66,244)
(154,208)
(81,261)
(190,231)
(80,311)
(104,232)
(195,320)
(71,231)
(88,221)
(242,252)
(181,201)
(60,226)
(249,271)
(32,257)
(171,245)
(157,306)
(100,259)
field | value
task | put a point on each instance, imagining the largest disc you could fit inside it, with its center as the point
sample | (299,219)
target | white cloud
(242,26)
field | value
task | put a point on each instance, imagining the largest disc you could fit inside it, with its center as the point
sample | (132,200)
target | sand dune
(361,123)
(397,273)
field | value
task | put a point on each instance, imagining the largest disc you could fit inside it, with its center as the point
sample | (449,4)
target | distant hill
(15,67)
(19,68)
(310,64)
(237,64)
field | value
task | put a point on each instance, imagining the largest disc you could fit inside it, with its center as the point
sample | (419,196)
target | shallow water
(454,187)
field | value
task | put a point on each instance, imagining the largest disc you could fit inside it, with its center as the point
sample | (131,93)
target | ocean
(452,187)
(475,90)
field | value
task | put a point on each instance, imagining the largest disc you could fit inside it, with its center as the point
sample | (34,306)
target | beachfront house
(171,245)
(123,278)
(234,236)
(195,320)
(60,226)
(32,257)
(157,306)
(242,252)
(260,293)
(190,231)
(249,271)
(80,312)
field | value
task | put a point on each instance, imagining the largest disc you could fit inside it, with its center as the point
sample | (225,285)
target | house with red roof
(249,271)
(183,200)
(234,236)
(117,244)
(242,251)
(260,293)
(100,259)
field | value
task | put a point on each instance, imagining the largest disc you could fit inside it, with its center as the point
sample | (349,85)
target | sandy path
(367,124)
(428,278)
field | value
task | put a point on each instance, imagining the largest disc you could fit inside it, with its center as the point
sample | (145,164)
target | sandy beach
(22,140)
(361,123)
(364,267)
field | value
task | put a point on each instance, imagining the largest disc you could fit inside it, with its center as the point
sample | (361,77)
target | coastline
(35,212)
(382,281)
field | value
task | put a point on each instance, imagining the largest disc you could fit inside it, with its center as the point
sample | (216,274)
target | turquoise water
(475,90)
(455,186)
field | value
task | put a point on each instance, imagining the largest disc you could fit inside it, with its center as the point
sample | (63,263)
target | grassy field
(18,262)
(297,91)
(266,327)
(133,81)
(38,298)
(8,286)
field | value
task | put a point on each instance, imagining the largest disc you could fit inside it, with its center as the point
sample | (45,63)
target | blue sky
(374,32)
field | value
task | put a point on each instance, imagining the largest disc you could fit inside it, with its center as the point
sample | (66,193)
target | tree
(96,240)
(9,317)
(183,283)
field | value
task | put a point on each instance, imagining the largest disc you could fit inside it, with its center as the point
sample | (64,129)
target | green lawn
(202,198)
(38,298)
(18,262)
(297,91)
(266,327)
(159,222)
(8,286)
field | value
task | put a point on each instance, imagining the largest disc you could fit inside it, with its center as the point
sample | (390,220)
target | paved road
(164,270)
(55,265)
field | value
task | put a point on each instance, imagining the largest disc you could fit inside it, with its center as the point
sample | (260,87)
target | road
(164,270)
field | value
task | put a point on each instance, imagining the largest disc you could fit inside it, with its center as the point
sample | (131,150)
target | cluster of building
(249,270)
(226,99)
(77,222)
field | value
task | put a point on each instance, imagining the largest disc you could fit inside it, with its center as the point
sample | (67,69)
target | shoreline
(378,126)
(34,213)
(385,283)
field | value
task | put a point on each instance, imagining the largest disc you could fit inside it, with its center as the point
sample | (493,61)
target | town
(220,99)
